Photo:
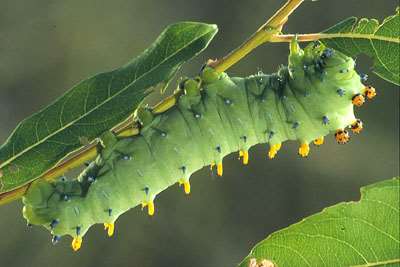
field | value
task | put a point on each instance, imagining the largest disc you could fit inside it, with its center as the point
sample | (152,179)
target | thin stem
(87,154)
(262,35)
(281,16)
(279,38)
(14,194)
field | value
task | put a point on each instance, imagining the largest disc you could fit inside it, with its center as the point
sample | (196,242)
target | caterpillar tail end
(76,243)
(109,227)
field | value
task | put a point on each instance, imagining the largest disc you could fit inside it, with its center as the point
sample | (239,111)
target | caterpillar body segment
(213,117)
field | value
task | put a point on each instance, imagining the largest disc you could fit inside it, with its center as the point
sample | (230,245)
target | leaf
(364,233)
(381,42)
(96,105)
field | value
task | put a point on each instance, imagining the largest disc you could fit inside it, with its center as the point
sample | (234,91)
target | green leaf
(364,233)
(96,105)
(381,42)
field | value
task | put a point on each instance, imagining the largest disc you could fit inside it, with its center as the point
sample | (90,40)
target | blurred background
(47,46)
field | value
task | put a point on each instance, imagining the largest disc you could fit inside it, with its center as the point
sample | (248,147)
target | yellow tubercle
(76,243)
(304,150)
(245,155)
(220,169)
(150,207)
(273,150)
(109,227)
(186,185)
(319,141)
(212,165)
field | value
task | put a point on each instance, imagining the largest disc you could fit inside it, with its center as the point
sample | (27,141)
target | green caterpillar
(214,115)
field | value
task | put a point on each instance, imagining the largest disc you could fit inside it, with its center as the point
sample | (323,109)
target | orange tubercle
(358,100)
(357,126)
(342,136)
(370,92)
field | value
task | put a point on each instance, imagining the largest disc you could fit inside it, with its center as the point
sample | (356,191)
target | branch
(279,38)
(263,34)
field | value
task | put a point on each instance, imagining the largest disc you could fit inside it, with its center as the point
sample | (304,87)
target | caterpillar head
(327,88)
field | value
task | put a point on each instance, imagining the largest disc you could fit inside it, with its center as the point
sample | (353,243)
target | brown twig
(263,34)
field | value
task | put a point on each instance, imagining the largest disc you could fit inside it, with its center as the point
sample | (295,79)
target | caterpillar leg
(191,87)
(108,139)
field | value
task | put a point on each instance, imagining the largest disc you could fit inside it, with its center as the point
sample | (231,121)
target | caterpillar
(211,116)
